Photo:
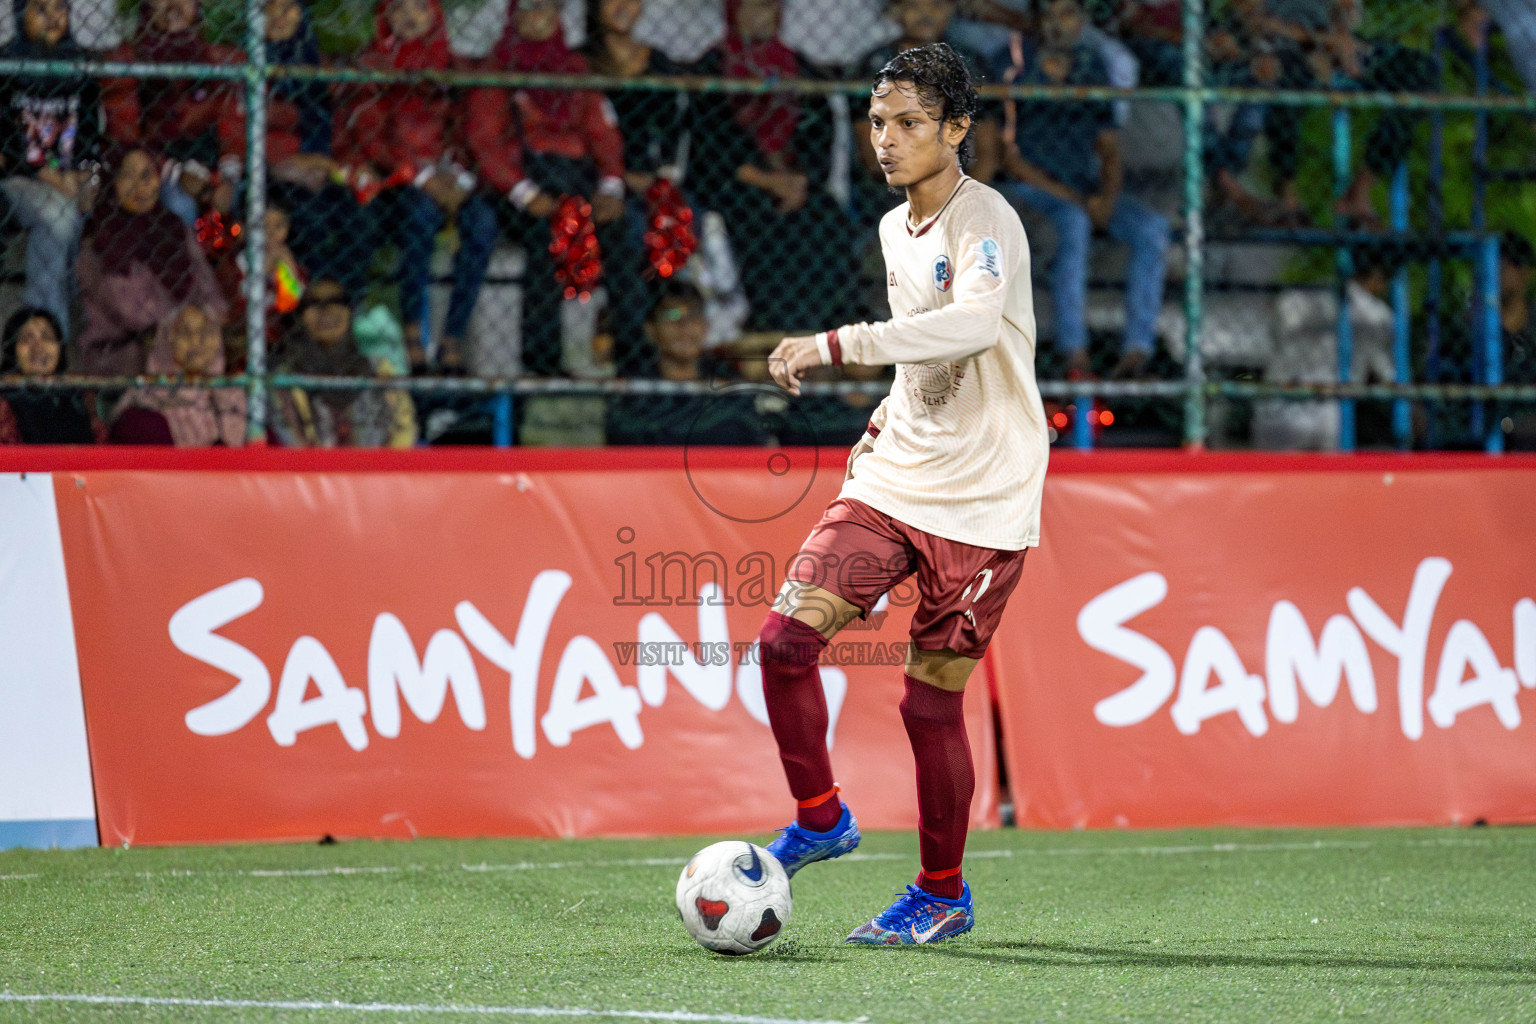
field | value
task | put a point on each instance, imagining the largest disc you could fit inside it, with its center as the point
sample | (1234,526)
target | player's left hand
(790,360)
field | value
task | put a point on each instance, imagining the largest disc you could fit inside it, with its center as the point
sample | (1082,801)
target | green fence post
(255,217)
(1344,267)
(1194,223)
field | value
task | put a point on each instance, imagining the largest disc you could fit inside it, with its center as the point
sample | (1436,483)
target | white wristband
(823,349)
(611,186)
(523,193)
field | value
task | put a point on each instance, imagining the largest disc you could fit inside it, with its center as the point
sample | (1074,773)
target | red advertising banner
(488,643)
(1313,645)
(281,655)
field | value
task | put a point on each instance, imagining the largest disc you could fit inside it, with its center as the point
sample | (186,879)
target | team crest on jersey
(943,273)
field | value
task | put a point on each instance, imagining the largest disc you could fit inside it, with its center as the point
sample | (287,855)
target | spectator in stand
(1066,160)
(544,146)
(1250,47)
(1517,258)
(1154,32)
(986,28)
(49,136)
(325,214)
(285,275)
(1517,313)
(398,136)
(33,347)
(139,264)
(1517,318)
(1376,65)
(188,347)
(177,118)
(660,133)
(655,125)
(676,328)
(753,166)
(320,343)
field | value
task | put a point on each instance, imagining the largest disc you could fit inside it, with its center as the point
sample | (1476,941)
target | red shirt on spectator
(158,112)
(579,125)
(396,127)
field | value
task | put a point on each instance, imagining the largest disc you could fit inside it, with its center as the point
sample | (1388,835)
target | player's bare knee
(944,669)
(820,609)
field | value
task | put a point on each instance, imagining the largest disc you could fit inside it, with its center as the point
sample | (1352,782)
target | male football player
(945,486)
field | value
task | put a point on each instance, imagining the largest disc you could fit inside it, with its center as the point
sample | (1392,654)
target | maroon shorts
(859,553)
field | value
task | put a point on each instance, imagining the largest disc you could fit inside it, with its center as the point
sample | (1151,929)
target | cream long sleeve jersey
(960,443)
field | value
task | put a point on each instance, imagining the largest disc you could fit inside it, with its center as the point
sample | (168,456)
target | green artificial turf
(1409,925)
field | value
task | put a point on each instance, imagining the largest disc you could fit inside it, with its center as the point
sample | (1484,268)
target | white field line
(403,1008)
(651,862)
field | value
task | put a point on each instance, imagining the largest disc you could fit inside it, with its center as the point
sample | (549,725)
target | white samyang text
(1295,663)
(586,690)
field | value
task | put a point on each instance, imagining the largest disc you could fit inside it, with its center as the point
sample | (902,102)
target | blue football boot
(796,847)
(918,917)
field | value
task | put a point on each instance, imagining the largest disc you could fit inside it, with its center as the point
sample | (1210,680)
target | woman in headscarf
(320,343)
(49,135)
(188,346)
(139,263)
(33,347)
(399,135)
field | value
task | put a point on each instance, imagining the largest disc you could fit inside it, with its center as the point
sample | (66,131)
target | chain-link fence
(1276,223)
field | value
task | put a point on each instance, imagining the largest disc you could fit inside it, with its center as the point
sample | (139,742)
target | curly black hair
(942,82)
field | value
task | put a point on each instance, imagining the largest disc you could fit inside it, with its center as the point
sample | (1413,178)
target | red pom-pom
(669,238)
(215,233)
(573,243)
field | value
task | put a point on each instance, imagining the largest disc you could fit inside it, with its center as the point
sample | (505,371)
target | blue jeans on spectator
(478,229)
(1132,222)
(409,219)
(53,221)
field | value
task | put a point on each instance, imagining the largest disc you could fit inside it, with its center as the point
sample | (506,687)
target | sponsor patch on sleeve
(989,256)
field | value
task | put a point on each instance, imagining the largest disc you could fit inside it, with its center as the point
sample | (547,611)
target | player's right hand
(790,360)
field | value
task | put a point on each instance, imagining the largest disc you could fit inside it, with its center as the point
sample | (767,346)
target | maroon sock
(935,723)
(797,713)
